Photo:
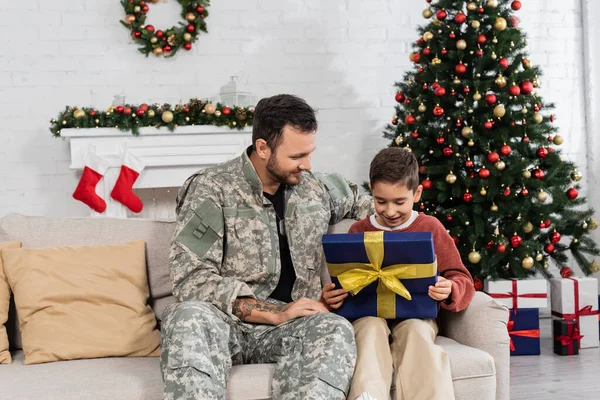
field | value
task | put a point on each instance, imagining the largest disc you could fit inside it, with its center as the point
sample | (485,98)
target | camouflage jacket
(226,245)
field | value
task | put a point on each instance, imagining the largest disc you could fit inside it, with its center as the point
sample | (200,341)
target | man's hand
(251,310)
(442,289)
(333,299)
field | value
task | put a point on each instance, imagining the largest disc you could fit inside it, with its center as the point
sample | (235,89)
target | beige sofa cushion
(4,303)
(82,302)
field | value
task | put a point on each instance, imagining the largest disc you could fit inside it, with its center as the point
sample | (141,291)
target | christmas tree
(489,155)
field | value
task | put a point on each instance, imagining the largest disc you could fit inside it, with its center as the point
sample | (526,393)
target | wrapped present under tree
(566,337)
(524,332)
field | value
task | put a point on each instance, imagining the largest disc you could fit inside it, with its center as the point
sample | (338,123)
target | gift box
(566,337)
(577,299)
(388,274)
(521,293)
(524,332)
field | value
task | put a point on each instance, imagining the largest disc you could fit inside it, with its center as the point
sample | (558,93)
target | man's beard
(278,174)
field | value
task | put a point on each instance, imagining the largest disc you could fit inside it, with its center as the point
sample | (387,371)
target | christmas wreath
(131,118)
(165,42)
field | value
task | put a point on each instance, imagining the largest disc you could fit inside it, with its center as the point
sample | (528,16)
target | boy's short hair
(395,165)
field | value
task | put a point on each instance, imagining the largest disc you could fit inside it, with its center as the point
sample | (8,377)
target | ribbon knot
(529,333)
(573,336)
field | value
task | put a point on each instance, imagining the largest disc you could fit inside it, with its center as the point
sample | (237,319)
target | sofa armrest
(483,325)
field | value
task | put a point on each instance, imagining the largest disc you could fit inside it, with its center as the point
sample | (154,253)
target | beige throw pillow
(4,303)
(82,302)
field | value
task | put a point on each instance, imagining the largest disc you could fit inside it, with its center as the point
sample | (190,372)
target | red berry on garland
(505,150)
(493,157)
(488,125)
(150,28)
(140,112)
(516,5)
(469,163)
(187,46)
(526,87)
(554,237)
(226,110)
(538,174)
(566,272)
(542,152)
(167,48)
(516,241)
(478,283)
(460,18)
(441,15)
(190,28)
(145,9)
(92,113)
(572,194)
(461,69)
(440,140)
(438,111)
(127,111)
(506,192)
(467,197)
(481,39)
(119,109)
(447,151)
(200,9)
(491,99)
(409,120)
(514,90)
(501,248)
(160,34)
(549,248)
(136,34)
(440,91)
(484,173)
(399,97)
(503,62)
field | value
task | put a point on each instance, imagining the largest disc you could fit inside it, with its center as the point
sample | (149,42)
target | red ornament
(572,194)
(416,58)
(150,28)
(566,272)
(460,18)
(481,39)
(493,157)
(435,85)
(461,69)
(516,5)
(539,174)
(469,163)
(187,46)
(420,69)
(537,107)
(143,106)
(119,109)
(514,90)
(441,15)
(447,151)
(514,21)
(516,241)
(501,248)
(491,99)
(190,28)
(484,173)
(455,239)
(526,139)
(427,184)
(160,34)
(479,53)
(422,169)
(136,34)
(505,150)
(422,206)
(481,10)
(472,174)
(145,9)
(127,111)
(549,248)
(478,283)
(92,113)
(410,119)
(226,110)
(438,111)
(427,51)
(452,35)
(552,118)
(526,87)
(506,192)
(488,125)
(554,237)
(449,218)
(399,97)
(394,122)
(467,197)
(444,51)
(547,223)
(200,9)
(524,192)
(503,62)
(140,112)
(425,86)
(440,140)
(414,135)
(542,152)
(440,92)
(167,48)
(466,89)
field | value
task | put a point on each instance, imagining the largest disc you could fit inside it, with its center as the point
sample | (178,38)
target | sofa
(476,339)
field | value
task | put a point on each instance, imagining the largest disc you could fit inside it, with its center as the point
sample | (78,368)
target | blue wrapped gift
(387,273)
(524,332)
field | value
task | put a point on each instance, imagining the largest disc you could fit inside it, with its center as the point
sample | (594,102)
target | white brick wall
(343,56)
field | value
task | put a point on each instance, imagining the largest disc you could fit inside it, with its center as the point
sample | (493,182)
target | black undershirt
(283,291)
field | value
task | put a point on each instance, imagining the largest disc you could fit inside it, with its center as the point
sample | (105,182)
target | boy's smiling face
(394,202)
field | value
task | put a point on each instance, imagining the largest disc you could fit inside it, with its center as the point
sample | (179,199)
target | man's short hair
(272,114)
(395,165)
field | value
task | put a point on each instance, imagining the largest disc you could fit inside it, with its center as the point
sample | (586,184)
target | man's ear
(262,149)
(418,193)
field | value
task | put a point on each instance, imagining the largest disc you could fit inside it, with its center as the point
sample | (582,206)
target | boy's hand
(333,299)
(442,289)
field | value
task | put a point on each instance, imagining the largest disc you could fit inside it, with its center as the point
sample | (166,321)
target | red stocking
(95,168)
(123,190)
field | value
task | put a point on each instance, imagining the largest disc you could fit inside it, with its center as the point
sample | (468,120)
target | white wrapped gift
(519,293)
(577,299)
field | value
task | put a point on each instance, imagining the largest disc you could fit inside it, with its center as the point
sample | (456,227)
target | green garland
(132,118)
(169,41)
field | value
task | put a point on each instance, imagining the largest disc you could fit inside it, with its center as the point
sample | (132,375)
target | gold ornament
(137,9)
(153,39)
(494,56)
(527,262)
(524,110)
(167,117)
(436,61)
(499,111)
(451,178)
(492,3)
(157,51)
(210,108)
(584,225)
(537,118)
(558,140)
(97,121)
(472,6)
(466,132)
(593,224)
(474,257)
(475,24)
(542,196)
(172,40)
(527,64)
(595,266)
(427,36)
(461,44)
(528,228)
(536,82)
(427,13)
(483,192)
(500,81)
(151,113)
(576,175)
(129,19)
(471,143)
(187,36)
(78,114)
(500,24)
(456,81)
(500,165)
(422,108)
(494,207)
(399,139)
(477,96)
(190,17)
(217,113)
(467,223)
(539,257)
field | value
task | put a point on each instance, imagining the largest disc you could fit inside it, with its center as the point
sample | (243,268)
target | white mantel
(170,157)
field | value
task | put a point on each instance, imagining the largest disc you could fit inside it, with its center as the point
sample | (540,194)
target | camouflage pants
(315,355)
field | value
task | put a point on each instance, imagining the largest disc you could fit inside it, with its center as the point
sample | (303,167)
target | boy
(422,367)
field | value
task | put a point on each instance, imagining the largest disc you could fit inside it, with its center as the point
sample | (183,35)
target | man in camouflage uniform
(246,261)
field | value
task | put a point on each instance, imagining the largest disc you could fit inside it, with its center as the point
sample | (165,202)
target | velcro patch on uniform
(203,229)
(336,185)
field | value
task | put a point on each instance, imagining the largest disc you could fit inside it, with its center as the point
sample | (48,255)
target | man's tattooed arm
(252,310)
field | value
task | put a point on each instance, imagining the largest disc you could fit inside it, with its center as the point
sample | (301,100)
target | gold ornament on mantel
(79,114)
(130,19)
(167,117)
(190,17)
(210,108)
